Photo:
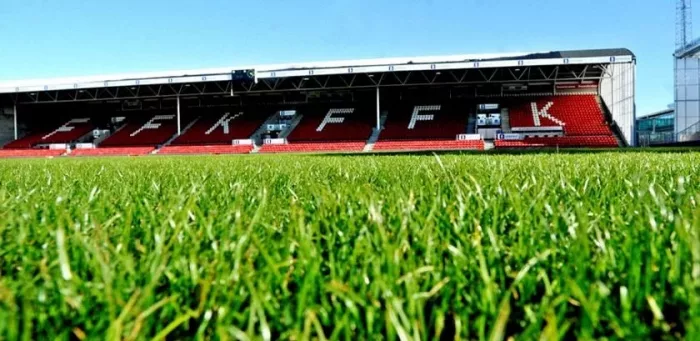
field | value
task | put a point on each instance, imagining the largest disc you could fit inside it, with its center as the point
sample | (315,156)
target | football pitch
(267,247)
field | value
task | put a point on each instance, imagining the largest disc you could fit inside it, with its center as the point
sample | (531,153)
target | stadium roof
(221,80)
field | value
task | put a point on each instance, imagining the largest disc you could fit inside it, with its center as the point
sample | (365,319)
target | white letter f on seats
(418,117)
(330,119)
(66,127)
(151,124)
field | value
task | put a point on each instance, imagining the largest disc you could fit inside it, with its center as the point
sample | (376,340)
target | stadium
(501,196)
(558,99)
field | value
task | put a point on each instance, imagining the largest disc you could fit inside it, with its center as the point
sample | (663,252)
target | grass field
(542,246)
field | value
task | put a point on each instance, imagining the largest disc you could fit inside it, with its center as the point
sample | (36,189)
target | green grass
(540,246)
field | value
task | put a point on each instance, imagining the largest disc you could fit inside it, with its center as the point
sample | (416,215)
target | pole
(14,111)
(378,112)
(178,115)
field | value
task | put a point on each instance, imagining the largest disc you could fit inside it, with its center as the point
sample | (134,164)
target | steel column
(14,112)
(378,112)
(178,115)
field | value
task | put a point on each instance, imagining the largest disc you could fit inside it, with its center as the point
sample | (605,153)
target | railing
(648,139)
(690,133)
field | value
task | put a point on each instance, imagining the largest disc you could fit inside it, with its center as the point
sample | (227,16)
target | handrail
(691,129)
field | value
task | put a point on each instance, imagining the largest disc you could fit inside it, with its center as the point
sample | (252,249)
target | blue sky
(53,38)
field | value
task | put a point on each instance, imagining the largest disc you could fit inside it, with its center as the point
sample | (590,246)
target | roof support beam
(109,92)
(342,79)
(179,130)
(200,91)
(534,74)
(352,80)
(493,74)
(378,127)
(14,114)
(397,77)
(267,83)
(53,98)
(518,75)
(583,72)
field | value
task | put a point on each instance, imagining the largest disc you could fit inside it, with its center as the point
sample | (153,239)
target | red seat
(221,126)
(333,123)
(580,116)
(313,147)
(106,151)
(516,144)
(327,128)
(67,132)
(600,141)
(142,131)
(206,149)
(425,121)
(418,145)
(11,153)
(577,114)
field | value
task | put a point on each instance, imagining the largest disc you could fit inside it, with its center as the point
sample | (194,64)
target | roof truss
(510,75)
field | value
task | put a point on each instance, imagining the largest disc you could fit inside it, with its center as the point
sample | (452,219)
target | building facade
(656,128)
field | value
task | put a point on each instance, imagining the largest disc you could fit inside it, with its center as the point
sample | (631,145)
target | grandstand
(469,102)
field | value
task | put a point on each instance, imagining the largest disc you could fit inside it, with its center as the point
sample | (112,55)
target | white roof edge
(290,69)
(264,67)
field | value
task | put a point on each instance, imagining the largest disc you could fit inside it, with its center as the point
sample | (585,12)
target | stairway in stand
(505,121)
(375,135)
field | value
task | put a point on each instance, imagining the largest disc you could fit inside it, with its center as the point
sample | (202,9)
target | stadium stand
(221,127)
(140,135)
(215,131)
(426,126)
(324,128)
(144,131)
(425,121)
(68,132)
(579,115)
(333,123)
(421,103)
(580,118)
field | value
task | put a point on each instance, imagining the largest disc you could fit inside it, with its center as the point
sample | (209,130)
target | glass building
(656,128)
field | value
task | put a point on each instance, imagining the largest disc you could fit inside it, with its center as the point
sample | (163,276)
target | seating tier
(425,121)
(312,147)
(115,151)
(206,149)
(12,153)
(429,145)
